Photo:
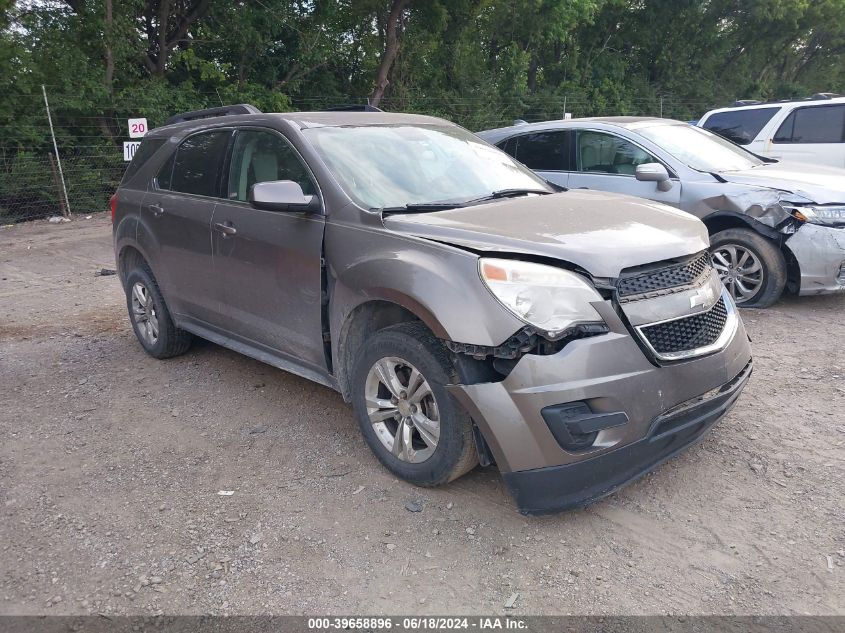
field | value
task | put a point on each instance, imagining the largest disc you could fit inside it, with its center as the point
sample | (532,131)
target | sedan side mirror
(654,172)
(282,195)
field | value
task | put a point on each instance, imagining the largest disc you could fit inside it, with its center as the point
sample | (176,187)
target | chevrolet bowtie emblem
(702,297)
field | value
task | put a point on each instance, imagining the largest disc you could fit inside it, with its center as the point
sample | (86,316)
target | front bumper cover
(609,373)
(547,490)
(820,253)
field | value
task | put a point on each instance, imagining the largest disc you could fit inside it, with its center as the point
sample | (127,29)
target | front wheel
(408,419)
(751,267)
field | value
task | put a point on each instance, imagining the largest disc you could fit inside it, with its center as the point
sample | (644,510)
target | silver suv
(469,312)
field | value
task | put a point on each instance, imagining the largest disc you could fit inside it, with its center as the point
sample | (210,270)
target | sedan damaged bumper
(820,253)
(571,427)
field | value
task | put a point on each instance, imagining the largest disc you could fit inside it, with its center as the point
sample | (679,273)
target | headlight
(552,299)
(828,216)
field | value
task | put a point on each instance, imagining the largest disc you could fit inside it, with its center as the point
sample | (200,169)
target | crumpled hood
(816,183)
(602,233)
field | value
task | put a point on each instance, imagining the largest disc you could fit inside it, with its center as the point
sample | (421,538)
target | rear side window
(149,146)
(196,168)
(740,126)
(817,124)
(542,151)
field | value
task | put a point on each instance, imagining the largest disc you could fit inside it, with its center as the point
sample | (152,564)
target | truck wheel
(150,317)
(408,419)
(751,267)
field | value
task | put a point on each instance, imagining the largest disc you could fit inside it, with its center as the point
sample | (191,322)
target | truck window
(817,124)
(740,126)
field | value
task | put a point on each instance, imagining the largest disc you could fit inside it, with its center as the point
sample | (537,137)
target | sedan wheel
(740,270)
(402,409)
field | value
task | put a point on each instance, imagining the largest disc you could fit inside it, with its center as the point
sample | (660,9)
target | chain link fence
(30,187)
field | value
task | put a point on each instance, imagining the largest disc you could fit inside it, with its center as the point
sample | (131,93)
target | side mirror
(654,172)
(282,195)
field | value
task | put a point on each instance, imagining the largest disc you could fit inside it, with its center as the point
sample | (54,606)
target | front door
(608,162)
(267,264)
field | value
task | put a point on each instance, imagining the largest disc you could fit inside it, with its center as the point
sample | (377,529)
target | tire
(407,347)
(169,340)
(751,286)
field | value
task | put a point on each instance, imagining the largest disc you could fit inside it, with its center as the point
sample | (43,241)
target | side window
(608,154)
(543,151)
(817,124)
(261,156)
(197,164)
(740,126)
(508,146)
(149,146)
(164,178)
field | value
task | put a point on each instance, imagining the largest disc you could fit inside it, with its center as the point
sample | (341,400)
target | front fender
(437,283)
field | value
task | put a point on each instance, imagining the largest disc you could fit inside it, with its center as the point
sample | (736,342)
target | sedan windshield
(398,166)
(700,149)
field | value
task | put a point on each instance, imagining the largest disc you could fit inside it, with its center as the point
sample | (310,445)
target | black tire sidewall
(438,468)
(767,253)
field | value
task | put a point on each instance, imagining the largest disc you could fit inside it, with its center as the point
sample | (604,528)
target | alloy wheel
(144,313)
(740,270)
(402,409)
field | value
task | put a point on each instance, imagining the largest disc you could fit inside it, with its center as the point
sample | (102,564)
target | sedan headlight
(827,216)
(551,299)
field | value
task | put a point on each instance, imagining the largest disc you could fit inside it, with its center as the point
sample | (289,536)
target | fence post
(57,183)
(66,206)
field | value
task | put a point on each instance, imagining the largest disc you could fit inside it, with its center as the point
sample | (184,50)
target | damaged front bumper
(634,413)
(820,253)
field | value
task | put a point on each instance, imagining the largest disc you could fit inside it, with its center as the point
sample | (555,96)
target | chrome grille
(674,276)
(687,333)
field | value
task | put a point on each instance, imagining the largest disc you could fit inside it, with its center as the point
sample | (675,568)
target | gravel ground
(112,465)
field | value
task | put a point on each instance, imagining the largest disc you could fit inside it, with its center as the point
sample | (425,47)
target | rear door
(812,134)
(548,153)
(267,264)
(178,211)
(608,162)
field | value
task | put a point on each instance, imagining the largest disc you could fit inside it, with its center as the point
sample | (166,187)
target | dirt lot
(111,464)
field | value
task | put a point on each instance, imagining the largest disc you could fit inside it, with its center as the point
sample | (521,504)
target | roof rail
(745,102)
(241,108)
(822,96)
(520,122)
(354,108)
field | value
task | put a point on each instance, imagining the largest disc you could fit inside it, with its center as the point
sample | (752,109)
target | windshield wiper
(422,207)
(510,193)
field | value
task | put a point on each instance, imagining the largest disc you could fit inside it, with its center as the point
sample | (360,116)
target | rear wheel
(752,267)
(150,317)
(408,419)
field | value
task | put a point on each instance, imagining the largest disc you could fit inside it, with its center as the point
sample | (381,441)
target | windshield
(700,149)
(390,166)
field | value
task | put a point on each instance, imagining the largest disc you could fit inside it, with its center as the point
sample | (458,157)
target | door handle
(155,209)
(225,228)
